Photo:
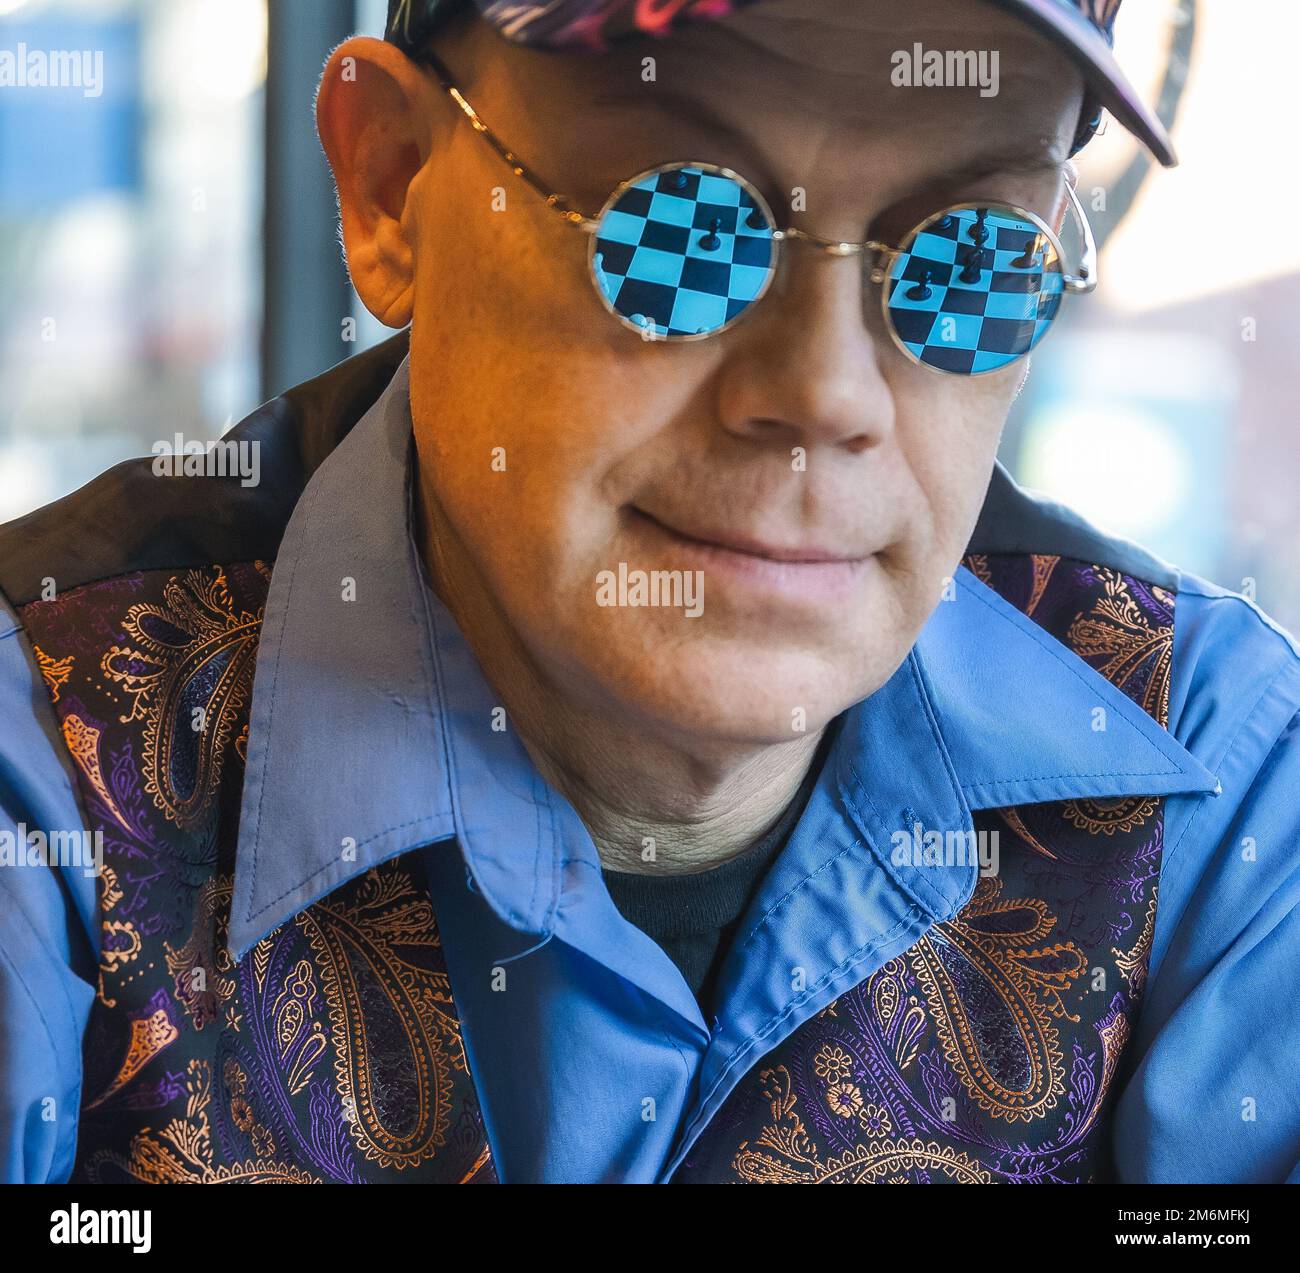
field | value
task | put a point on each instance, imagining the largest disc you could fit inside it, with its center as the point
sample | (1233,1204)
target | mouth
(802,572)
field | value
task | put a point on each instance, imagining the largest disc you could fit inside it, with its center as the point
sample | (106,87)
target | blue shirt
(617,1072)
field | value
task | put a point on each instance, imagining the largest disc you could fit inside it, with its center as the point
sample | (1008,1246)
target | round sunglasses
(684,250)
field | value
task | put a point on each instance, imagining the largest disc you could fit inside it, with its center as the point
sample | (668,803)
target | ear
(375,112)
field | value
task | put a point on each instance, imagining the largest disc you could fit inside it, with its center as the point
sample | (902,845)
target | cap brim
(1086,47)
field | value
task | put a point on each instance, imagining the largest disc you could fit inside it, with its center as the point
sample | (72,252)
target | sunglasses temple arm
(1086,279)
(558,202)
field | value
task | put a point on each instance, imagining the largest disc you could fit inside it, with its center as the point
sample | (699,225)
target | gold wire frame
(1084,281)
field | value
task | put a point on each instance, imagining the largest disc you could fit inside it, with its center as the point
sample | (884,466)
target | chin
(734,691)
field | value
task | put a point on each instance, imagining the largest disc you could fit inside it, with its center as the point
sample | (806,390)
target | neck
(655,808)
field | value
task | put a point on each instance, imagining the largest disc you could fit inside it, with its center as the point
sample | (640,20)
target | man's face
(823,484)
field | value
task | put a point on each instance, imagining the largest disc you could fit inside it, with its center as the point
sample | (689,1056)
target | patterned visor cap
(1082,29)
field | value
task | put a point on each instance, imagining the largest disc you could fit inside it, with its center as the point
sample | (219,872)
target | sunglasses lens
(683,251)
(974,289)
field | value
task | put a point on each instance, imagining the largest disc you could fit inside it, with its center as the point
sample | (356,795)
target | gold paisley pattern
(121,945)
(180,1153)
(360,944)
(784,1153)
(1106,817)
(241,1109)
(978,565)
(189,674)
(149,1036)
(299,1037)
(1118,639)
(83,746)
(1133,963)
(1115,1034)
(1043,568)
(889,1000)
(202,971)
(55,672)
(833,1064)
(119,942)
(1023,980)
(110,891)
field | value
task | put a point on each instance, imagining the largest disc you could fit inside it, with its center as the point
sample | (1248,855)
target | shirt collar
(373,731)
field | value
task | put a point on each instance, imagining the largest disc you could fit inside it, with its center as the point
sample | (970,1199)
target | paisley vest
(986,1052)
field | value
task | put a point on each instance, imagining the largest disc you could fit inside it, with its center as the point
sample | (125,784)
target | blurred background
(160,242)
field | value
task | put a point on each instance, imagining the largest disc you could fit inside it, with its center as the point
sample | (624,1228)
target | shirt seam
(361,844)
(888,867)
(1073,773)
(779,904)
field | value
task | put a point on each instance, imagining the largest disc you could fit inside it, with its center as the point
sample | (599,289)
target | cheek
(949,430)
(530,401)
(512,347)
(496,335)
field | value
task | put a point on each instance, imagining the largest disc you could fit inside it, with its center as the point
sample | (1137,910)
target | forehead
(808,90)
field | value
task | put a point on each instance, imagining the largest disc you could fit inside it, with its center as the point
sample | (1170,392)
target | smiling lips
(806,572)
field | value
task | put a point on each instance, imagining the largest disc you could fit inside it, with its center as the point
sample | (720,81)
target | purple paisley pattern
(988,1051)
(331,1052)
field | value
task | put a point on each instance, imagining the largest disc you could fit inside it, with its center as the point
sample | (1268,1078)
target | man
(639,734)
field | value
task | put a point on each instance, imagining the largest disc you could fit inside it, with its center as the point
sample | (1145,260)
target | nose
(804,368)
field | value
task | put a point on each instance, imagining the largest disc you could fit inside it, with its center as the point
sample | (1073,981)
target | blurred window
(130,233)
(1165,406)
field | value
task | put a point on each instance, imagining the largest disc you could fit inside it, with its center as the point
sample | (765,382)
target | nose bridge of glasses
(829,247)
(880,254)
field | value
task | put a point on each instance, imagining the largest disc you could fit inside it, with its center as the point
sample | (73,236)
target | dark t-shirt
(694,917)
